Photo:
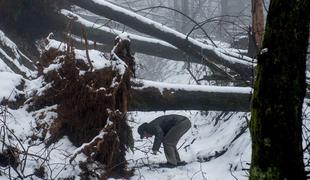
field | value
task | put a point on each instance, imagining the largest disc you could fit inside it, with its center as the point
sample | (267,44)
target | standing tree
(258,21)
(276,124)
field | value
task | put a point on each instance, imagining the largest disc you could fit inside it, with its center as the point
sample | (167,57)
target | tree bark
(258,21)
(188,45)
(152,99)
(276,123)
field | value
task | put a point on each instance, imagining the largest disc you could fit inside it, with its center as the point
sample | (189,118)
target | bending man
(168,130)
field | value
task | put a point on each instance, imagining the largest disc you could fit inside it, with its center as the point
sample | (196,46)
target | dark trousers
(171,140)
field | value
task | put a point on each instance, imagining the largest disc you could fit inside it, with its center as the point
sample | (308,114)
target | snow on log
(155,96)
(106,36)
(211,54)
(13,58)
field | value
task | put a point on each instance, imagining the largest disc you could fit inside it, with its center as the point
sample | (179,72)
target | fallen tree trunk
(105,37)
(210,54)
(154,96)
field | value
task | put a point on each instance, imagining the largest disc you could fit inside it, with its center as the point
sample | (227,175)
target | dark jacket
(160,126)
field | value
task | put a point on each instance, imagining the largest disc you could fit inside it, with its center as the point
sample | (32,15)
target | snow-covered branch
(208,53)
(105,37)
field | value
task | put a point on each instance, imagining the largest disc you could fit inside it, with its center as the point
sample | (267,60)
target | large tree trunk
(154,96)
(105,38)
(276,123)
(211,55)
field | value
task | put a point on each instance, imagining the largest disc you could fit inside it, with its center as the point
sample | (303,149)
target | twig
(86,49)
(191,19)
(231,173)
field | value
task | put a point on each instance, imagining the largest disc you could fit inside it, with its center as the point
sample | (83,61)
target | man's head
(142,130)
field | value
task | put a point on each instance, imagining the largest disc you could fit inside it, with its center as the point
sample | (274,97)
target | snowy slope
(211,135)
(207,137)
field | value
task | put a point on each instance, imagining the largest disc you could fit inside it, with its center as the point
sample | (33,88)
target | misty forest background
(78,76)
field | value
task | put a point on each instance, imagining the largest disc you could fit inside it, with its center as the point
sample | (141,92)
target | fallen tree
(91,100)
(181,47)
(211,55)
(155,96)
(105,37)
(14,58)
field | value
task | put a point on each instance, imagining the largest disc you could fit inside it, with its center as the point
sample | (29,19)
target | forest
(155,89)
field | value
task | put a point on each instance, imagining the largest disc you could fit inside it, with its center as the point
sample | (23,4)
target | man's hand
(154,152)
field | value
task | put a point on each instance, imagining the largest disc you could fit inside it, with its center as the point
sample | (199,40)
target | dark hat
(141,129)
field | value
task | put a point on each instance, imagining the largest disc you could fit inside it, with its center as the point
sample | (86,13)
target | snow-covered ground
(211,135)
(217,146)
(8,84)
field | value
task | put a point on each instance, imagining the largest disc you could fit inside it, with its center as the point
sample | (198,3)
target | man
(167,129)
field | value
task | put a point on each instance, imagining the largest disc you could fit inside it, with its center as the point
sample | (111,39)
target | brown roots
(88,103)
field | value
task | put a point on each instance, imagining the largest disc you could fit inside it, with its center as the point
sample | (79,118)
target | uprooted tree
(92,105)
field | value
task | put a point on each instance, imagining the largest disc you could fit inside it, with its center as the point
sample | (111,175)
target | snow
(265,50)
(212,133)
(52,67)
(79,149)
(22,123)
(206,136)
(209,137)
(113,31)
(232,57)
(124,36)
(230,54)
(6,43)
(97,58)
(4,67)
(221,89)
(8,84)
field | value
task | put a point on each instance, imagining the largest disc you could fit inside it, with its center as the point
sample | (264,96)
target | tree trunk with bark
(189,97)
(258,22)
(276,123)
